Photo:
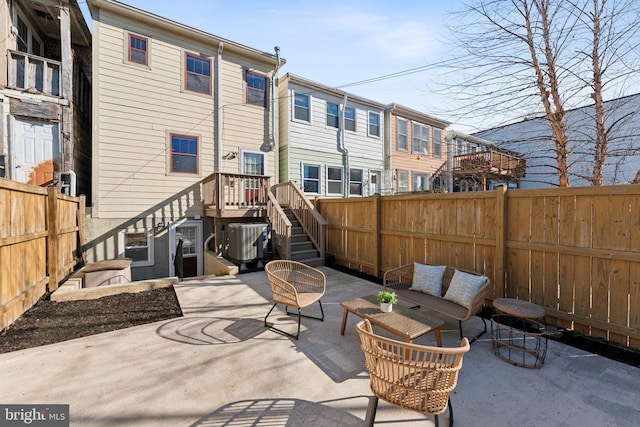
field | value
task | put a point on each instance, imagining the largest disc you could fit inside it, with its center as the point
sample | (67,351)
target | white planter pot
(386,307)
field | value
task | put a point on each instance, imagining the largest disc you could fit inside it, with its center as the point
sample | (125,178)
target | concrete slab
(219,366)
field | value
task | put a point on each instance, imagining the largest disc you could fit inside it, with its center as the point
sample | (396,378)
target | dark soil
(49,322)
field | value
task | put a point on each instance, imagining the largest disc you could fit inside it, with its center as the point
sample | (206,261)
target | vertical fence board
(600,295)
(619,285)
(634,302)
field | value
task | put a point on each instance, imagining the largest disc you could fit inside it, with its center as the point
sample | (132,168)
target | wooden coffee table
(407,323)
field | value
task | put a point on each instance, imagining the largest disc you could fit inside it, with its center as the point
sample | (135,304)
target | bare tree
(517,58)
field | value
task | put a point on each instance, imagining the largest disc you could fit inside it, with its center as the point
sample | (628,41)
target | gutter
(218,109)
(343,149)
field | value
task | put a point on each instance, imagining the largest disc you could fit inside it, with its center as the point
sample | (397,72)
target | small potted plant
(386,300)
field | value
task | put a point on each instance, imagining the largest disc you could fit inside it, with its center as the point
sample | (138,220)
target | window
(374,124)
(437,142)
(26,38)
(184,154)
(401,134)
(301,107)
(355,182)
(197,74)
(420,181)
(256,89)
(332,115)
(420,139)
(138,246)
(253,163)
(403,180)
(311,179)
(350,119)
(334,180)
(138,49)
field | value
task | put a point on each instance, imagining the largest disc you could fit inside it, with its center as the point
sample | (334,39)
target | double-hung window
(184,154)
(350,119)
(401,134)
(301,110)
(420,144)
(311,179)
(256,89)
(437,142)
(197,73)
(138,49)
(355,182)
(332,115)
(374,124)
(137,246)
(420,181)
(334,180)
(403,180)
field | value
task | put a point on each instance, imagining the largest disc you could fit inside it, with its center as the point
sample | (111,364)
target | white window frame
(122,233)
(423,176)
(335,117)
(402,177)
(293,107)
(355,119)
(341,181)
(361,182)
(436,145)
(374,113)
(31,34)
(405,134)
(425,146)
(314,165)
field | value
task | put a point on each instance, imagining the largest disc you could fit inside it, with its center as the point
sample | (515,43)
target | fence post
(501,237)
(376,235)
(82,219)
(52,240)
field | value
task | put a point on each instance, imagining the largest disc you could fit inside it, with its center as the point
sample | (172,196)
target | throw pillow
(428,278)
(464,287)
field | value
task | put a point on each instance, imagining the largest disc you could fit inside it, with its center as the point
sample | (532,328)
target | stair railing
(280,227)
(314,225)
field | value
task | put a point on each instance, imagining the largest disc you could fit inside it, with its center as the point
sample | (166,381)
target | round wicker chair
(294,284)
(411,376)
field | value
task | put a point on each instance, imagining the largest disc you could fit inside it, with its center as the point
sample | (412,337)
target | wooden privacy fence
(41,235)
(574,251)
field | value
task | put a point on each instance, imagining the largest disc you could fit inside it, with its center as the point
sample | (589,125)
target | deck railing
(289,195)
(32,72)
(233,191)
(489,161)
(280,227)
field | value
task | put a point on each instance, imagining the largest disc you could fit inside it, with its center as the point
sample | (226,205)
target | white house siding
(316,143)
(532,138)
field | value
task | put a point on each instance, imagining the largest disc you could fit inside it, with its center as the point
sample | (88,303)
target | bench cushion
(464,287)
(428,278)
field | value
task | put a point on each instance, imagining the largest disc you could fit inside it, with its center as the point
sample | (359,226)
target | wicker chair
(297,285)
(411,376)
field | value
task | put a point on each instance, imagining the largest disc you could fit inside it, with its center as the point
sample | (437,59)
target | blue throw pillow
(463,287)
(428,278)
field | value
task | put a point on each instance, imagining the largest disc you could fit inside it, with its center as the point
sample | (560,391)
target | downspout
(273,143)
(343,149)
(388,175)
(218,108)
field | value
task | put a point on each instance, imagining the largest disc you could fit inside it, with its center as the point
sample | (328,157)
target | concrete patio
(219,366)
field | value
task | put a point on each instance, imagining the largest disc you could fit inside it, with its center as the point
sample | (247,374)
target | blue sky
(335,43)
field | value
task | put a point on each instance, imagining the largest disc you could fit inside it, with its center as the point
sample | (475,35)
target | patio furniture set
(405,374)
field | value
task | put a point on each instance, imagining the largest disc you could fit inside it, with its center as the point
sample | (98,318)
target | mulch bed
(50,322)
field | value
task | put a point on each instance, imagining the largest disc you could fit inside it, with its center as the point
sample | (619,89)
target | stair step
(301,246)
(313,262)
(304,254)
(299,238)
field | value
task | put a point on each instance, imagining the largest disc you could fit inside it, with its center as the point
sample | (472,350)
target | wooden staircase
(302,248)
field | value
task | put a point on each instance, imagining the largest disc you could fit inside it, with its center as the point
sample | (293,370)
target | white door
(374,183)
(35,147)
(191,234)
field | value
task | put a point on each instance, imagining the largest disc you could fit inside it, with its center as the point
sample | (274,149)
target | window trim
(425,148)
(406,134)
(293,107)
(416,174)
(379,125)
(249,88)
(31,33)
(131,35)
(436,153)
(315,165)
(355,120)
(170,171)
(327,115)
(185,73)
(361,182)
(122,248)
(406,177)
(341,169)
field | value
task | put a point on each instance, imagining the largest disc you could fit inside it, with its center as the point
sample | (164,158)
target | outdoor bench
(428,286)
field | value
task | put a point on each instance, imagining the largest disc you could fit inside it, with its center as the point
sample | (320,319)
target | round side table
(518,332)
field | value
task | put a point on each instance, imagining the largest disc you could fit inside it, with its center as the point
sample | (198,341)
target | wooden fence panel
(575,251)
(27,230)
